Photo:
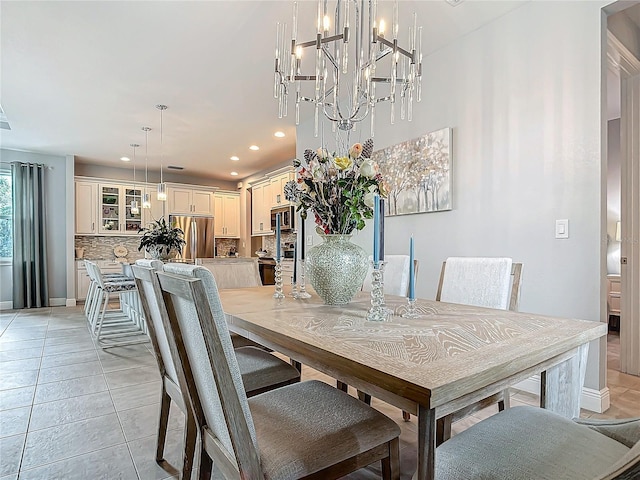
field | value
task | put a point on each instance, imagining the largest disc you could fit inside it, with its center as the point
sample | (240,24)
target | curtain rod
(23,164)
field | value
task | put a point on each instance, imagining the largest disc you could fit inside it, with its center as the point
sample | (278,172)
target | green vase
(336,269)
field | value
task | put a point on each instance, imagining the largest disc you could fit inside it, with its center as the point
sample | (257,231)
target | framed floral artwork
(417,173)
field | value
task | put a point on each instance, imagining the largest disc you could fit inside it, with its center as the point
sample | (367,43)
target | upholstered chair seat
(524,443)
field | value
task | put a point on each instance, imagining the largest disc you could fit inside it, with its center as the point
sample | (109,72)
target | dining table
(448,358)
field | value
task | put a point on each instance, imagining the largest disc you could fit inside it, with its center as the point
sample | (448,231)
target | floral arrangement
(339,190)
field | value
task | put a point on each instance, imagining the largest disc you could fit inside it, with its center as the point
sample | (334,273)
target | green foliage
(160,233)
(6,224)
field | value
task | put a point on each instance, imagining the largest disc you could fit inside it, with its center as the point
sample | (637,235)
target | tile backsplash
(96,248)
(269,242)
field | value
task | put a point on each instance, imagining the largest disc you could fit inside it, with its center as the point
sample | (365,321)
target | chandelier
(354,60)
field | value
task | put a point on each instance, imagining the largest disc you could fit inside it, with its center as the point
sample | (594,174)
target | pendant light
(135,209)
(146,198)
(162,187)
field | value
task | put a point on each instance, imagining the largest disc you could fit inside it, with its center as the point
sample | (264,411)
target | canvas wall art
(418,173)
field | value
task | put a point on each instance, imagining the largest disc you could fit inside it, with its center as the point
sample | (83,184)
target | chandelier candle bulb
(412,272)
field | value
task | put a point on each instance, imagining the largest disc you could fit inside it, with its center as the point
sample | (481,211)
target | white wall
(58,179)
(523,97)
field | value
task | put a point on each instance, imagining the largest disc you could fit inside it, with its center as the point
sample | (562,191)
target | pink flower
(356,150)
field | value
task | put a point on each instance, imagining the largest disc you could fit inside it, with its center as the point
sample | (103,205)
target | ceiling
(82,78)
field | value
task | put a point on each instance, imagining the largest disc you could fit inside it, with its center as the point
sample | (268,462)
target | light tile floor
(69,410)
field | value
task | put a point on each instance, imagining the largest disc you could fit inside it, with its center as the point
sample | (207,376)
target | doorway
(623,195)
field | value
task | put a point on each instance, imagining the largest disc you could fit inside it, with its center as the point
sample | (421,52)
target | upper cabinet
(190,201)
(277,184)
(261,208)
(86,208)
(227,212)
(114,209)
(266,194)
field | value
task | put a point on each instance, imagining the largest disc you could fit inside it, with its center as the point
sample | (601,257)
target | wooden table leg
(426,444)
(561,385)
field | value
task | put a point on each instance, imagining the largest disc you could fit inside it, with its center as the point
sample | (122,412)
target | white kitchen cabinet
(188,201)
(261,208)
(86,207)
(114,209)
(277,184)
(227,213)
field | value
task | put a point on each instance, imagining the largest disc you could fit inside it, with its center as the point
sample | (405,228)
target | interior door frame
(629,68)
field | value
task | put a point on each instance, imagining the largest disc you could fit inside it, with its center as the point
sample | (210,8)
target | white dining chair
(492,282)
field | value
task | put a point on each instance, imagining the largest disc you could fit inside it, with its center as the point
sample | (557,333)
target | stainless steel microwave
(287,218)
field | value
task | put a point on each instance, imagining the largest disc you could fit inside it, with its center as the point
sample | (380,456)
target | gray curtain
(30,287)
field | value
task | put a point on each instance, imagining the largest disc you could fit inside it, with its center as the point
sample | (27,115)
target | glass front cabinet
(115,209)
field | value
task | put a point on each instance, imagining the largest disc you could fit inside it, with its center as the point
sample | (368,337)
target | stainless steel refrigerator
(198,233)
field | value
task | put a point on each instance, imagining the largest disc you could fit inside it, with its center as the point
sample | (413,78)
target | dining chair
(236,274)
(259,370)
(304,430)
(481,282)
(529,442)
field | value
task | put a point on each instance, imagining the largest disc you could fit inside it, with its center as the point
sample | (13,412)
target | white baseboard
(591,399)
(57,302)
(53,302)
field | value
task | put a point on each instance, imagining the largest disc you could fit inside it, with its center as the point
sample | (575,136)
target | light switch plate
(562,228)
(309,240)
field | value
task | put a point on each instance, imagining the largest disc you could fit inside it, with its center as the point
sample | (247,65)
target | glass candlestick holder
(294,289)
(411,310)
(278,278)
(302,288)
(378,311)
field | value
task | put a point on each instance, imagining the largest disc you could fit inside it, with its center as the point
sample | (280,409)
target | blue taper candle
(376,229)
(295,263)
(381,243)
(277,237)
(412,272)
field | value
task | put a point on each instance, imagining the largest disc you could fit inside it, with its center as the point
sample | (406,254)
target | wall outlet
(309,240)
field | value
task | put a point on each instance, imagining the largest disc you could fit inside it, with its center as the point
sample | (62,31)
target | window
(6,224)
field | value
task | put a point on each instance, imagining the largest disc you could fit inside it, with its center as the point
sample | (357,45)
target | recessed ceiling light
(234,158)
(125,159)
(254,147)
(279,134)
(234,174)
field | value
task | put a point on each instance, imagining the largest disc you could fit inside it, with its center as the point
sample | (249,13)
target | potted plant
(161,240)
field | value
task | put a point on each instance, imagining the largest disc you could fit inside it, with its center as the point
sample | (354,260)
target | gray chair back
(150,293)
(211,370)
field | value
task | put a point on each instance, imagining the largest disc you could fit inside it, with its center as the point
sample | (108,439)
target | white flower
(369,169)
(369,197)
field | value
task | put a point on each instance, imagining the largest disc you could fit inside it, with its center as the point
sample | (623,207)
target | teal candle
(277,237)
(412,272)
(376,229)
